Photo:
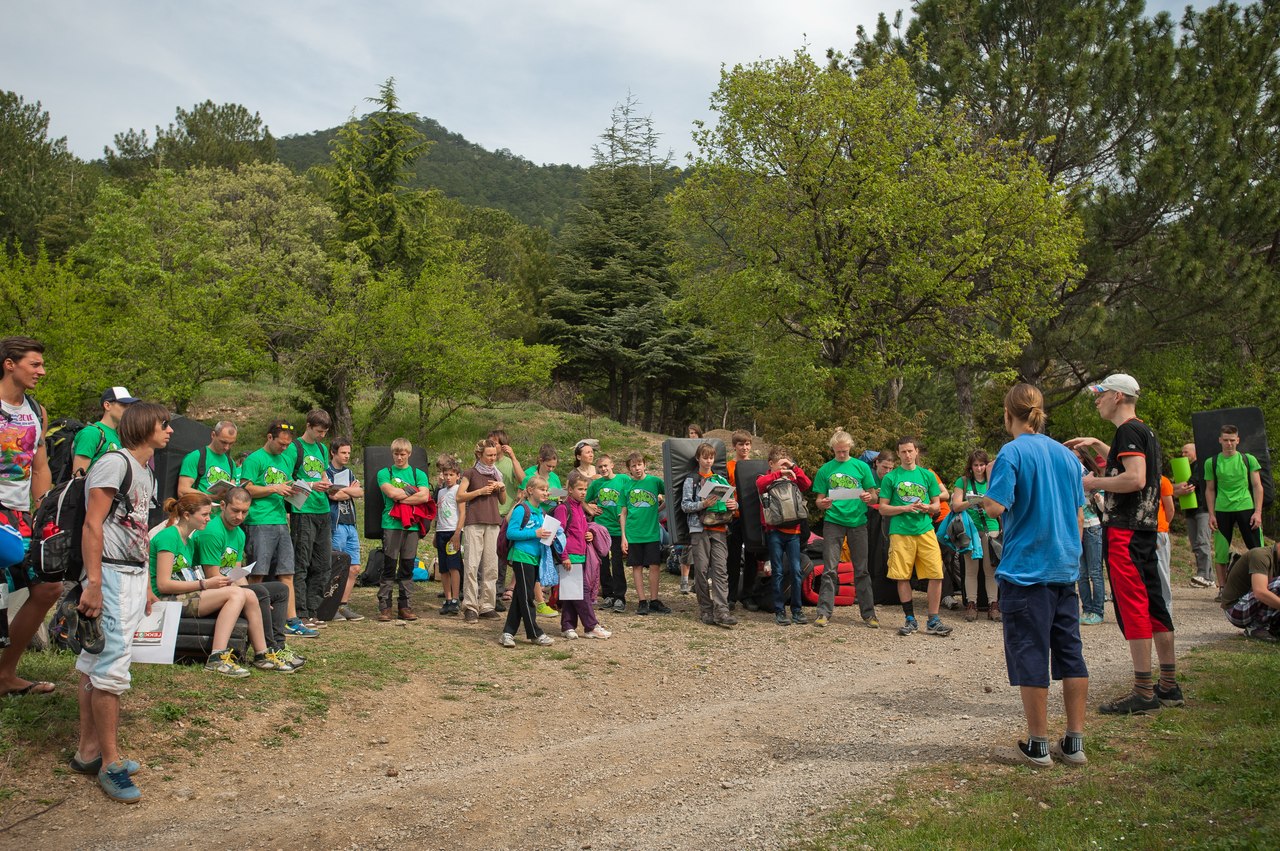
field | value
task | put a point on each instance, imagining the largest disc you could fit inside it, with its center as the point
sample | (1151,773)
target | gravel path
(670,735)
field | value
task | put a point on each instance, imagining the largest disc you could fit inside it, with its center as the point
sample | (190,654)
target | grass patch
(1206,775)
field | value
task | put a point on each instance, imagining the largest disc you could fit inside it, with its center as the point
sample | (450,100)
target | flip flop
(30,688)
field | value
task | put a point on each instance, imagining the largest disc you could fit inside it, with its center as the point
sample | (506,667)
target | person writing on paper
(174,577)
(527,536)
(573,519)
(219,550)
(845,487)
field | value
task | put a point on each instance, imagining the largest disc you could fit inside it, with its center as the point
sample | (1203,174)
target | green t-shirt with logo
(1233,490)
(606,494)
(905,487)
(94,441)
(398,477)
(262,468)
(553,482)
(217,545)
(852,473)
(970,487)
(640,501)
(315,458)
(169,540)
(217,468)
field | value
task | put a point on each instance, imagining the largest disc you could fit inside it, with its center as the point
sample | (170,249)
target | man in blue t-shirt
(1036,486)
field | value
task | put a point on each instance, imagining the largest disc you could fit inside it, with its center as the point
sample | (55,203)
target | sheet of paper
(298,498)
(844,494)
(551,524)
(719,491)
(157,635)
(342,478)
(235,574)
(556,493)
(571,582)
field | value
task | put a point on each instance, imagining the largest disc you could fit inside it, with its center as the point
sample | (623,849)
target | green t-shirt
(262,468)
(399,477)
(969,488)
(94,441)
(218,545)
(852,473)
(217,468)
(315,458)
(904,487)
(169,540)
(553,481)
(1231,480)
(640,501)
(508,471)
(607,496)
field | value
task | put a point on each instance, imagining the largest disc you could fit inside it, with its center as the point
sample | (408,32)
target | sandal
(30,688)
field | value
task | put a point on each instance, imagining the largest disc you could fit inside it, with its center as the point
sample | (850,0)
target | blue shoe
(908,627)
(93,766)
(298,628)
(119,786)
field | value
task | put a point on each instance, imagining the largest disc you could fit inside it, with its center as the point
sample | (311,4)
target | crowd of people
(1023,537)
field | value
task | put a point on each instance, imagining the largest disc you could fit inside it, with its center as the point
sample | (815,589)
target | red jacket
(762,485)
(419,515)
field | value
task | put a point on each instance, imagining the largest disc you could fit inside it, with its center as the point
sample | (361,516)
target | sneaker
(286,653)
(781,619)
(1171,697)
(491,615)
(684,586)
(821,622)
(271,661)
(569,634)
(751,606)
(935,626)
(1058,751)
(1218,598)
(993,611)
(619,606)
(406,614)
(347,613)
(545,611)
(908,627)
(604,603)
(950,602)
(471,616)
(872,622)
(301,630)
(498,606)
(1131,704)
(707,619)
(659,608)
(93,766)
(1260,633)
(970,612)
(599,632)
(1201,582)
(726,621)
(544,640)
(385,616)
(1091,619)
(119,786)
(799,618)
(224,662)
(642,608)
(507,640)
(1021,755)
(314,623)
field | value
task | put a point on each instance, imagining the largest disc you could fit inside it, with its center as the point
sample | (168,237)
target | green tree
(211,135)
(883,233)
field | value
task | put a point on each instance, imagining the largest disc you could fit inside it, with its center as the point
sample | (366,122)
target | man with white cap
(1131,482)
(92,442)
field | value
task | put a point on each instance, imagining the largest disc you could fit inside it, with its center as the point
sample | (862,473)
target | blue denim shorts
(346,539)
(1041,633)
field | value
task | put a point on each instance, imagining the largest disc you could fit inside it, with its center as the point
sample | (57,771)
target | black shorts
(1041,625)
(643,555)
(446,561)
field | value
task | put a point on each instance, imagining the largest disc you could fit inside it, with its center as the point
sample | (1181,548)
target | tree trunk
(892,390)
(381,409)
(340,390)
(964,400)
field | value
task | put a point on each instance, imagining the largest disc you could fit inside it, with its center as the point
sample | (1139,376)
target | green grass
(1204,776)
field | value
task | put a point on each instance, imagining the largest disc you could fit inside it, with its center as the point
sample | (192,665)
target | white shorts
(124,605)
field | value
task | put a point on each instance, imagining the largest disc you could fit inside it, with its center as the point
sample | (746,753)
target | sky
(539,79)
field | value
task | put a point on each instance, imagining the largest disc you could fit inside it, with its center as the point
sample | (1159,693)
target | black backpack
(58,525)
(372,573)
(1264,473)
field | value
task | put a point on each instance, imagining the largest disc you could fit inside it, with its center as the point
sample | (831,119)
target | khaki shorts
(190,604)
(920,552)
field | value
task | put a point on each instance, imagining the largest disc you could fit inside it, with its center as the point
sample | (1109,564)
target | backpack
(60,446)
(783,504)
(58,525)
(1264,473)
(372,574)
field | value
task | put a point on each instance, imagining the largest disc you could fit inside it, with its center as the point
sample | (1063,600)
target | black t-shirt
(1197,479)
(1139,510)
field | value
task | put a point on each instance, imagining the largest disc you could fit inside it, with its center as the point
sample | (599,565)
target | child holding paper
(709,511)
(574,605)
(527,538)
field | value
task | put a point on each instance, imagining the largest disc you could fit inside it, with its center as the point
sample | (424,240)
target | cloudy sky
(537,78)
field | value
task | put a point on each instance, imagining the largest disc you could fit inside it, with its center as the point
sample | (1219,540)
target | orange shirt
(1166,489)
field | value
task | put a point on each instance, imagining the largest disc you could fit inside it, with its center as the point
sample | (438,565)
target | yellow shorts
(920,552)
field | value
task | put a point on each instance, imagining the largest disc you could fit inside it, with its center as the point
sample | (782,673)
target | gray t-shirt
(125,545)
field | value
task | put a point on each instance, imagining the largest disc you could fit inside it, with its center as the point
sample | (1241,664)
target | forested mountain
(535,194)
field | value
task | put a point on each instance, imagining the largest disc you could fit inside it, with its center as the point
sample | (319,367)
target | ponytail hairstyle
(1024,402)
(185,506)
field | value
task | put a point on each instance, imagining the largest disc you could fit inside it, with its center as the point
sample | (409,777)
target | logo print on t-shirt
(842,480)
(911,492)
(275,477)
(608,497)
(641,499)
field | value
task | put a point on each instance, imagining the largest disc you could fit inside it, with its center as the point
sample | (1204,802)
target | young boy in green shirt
(642,504)
(909,498)
(605,494)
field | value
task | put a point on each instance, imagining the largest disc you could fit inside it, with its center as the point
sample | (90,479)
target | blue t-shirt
(1038,482)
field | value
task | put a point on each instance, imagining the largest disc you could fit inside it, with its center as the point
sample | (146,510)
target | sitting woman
(173,577)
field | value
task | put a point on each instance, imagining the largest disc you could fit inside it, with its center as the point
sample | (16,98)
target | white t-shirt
(21,434)
(447,509)
(124,535)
